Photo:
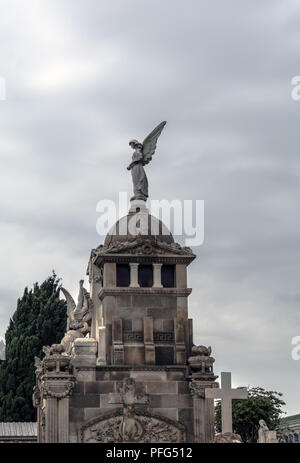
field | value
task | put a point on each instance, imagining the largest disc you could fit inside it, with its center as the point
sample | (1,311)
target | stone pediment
(142,427)
(139,246)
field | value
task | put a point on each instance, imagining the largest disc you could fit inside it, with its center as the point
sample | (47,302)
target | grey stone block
(158,324)
(104,401)
(85,401)
(171,413)
(99,387)
(147,300)
(86,375)
(85,346)
(137,325)
(161,312)
(155,401)
(168,325)
(102,375)
(161,387)
(90,413)
(76,414)
(176,375)
(79,388)
(185,416)
(148,375)
(124,301)
(185,401)
(119,375)
(183,387)
(175,401)
(127,325)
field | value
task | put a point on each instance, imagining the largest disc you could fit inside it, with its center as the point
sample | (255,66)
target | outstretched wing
(71,306)
(150,142)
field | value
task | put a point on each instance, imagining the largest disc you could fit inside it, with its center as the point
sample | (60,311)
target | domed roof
(140,224)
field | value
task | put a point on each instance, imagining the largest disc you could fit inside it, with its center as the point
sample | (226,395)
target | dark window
(145,276)
(164,355)
(168,276)
(123,275)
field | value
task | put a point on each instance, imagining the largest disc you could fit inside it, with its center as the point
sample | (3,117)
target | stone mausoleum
(127,369)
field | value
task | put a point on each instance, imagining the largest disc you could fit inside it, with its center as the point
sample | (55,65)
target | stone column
(110,275)
(157,276)
(180,341)
(204,429)
(51,412)
(148,341)
(134,280)
(63,420)
(118,347)
(181,276)
(56,389)
(102,354)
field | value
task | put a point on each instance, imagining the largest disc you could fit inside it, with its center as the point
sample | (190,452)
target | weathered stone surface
(85,375)
(162,312)
(102,375)
(183,387)
(176,375)
(160,387)
(151,375)
(228,438)
(104,401)
(99,387)
(171,413)
(85,401)
(76,414)
(109,275)
(90,413)
(79,388)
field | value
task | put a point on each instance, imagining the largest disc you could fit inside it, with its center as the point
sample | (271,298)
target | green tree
(260,405)
(39,320)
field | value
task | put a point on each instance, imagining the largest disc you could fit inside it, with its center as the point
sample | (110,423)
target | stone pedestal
(204,421)
(84,352)
(56,391)
(51,397)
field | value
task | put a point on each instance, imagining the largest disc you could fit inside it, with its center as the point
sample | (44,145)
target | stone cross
(128,395)
(226,394)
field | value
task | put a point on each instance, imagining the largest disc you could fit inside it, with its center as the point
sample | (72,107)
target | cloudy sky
(85,76)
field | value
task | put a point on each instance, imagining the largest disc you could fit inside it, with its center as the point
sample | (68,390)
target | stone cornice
(182,368)
(118,291)
(143,259)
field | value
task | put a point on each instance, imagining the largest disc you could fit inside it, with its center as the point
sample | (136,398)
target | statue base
(138,205)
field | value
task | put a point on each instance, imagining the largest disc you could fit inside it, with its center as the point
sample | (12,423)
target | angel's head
(135,144)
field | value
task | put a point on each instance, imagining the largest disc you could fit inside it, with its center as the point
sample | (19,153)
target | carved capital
(197,388)
(57,387)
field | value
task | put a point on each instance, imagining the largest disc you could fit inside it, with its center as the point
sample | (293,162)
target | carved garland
(48,393)
(161,428)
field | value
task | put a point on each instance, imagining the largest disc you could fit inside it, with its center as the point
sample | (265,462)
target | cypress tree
(39,320)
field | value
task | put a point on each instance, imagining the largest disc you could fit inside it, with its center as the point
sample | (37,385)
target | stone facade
(138,376)
(290,429)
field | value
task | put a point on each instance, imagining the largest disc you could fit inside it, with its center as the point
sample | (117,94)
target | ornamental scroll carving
(146,428)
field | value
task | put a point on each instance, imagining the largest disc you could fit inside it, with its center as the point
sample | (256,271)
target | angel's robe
(139,178)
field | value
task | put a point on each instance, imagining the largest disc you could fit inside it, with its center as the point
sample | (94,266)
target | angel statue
(79,317)
(142,155)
